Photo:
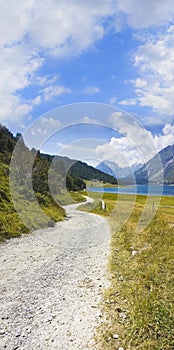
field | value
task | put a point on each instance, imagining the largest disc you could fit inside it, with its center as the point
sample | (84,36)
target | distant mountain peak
(161,166)
(119,172)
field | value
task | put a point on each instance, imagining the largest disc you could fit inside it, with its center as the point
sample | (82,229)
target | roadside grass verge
(138,308)
(65,197)
(12,226)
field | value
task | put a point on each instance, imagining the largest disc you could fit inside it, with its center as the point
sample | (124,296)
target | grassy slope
(139,304)
(10,223)
(65,197)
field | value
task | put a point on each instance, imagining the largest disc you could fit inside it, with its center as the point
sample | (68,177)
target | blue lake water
(153,190)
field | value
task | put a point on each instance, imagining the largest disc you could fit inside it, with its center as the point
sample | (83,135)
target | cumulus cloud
(89,120)
(31,30)
(145,13)
(126,151)
(129,102)
(53,91)
(17,67)
(120,151)
(91,90)
(155,61)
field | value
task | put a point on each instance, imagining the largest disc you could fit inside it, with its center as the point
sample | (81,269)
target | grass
(10,223)
(28,216)
(96,183)
(66,197)
(139,304)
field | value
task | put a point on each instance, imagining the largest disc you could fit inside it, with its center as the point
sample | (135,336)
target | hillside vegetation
(10,223)
(87,172)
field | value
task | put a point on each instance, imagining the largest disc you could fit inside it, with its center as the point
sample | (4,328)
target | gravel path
(51,284)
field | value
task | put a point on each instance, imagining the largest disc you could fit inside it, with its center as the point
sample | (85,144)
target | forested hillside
(51,176)
(10,223)
(87,172)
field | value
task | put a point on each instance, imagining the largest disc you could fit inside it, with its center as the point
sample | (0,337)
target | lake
(154,190)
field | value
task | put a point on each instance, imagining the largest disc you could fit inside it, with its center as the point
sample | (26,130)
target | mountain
(7,144)
(112,168)
(73,171)
(104,166)
(87,172)
(153,168)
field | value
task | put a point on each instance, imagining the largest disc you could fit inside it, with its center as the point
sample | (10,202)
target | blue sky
(116,52)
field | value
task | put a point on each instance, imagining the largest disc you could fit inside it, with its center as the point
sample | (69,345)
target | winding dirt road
(51,283)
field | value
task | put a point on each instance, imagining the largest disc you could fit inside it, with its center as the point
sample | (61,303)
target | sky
(117,53)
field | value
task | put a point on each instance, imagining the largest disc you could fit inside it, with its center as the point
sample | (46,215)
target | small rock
(115,336)
(2,331)
(28,331)
(18,335)
(134,252)
(120,348)
(123,315)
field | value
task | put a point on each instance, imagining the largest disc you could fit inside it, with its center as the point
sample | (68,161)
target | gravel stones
(50,294)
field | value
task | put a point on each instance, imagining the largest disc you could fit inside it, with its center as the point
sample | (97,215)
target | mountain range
(155,170)
(112,168)
(158,169)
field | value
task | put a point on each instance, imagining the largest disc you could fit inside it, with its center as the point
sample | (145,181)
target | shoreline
(112,190)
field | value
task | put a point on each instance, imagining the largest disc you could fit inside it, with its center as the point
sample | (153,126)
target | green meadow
(138,307)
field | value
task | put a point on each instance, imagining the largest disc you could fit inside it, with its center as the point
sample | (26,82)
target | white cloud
(139,83)
(155,61)
(166,138)
(37,101)
(54,90)
(45,80)
(91,90)
(145,13)
(136,142)
(40,131)
(120,151)
(68,28)
(31,30)
(11,103)
(125,152)
(129,102)
(89,120)
(17,66)
(112,100)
